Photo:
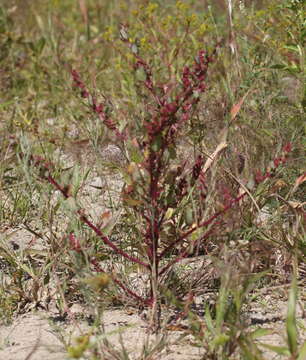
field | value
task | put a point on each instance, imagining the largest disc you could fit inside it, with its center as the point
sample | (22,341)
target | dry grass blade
(84,10)
(214,156)
(236,108)
(299,181)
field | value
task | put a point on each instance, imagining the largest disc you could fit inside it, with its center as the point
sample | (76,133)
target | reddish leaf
(236,108)
(299,181)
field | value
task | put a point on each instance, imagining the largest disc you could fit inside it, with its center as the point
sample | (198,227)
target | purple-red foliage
(160,132)
(74,242)
(151,233)
(277,161)
(97,108)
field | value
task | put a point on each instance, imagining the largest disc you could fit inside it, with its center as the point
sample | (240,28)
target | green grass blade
(302,352)
(291,318)
(280,350)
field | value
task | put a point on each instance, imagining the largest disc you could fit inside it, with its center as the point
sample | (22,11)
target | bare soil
(37,335)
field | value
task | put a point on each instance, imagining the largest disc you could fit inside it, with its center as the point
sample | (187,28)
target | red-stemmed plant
(159,186)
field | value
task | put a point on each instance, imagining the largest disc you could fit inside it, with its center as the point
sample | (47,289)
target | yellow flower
(167,21)
(123,5)
(202,29)
(151,8)
(181,6)
(144,44)
(108,34)
(192,19)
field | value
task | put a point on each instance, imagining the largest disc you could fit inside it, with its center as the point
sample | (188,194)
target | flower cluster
(280,160)
(100,109)
(78,83)
(196,170)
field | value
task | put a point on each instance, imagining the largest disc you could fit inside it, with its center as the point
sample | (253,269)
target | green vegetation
(138,135)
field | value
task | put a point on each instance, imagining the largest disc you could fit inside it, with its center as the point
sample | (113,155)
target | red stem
(205,223)
(108,242)
(120,284)
(183,254)
(104,238)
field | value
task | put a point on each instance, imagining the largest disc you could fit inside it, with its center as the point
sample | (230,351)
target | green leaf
(140,74)
(135,155)
(75,352)
(292,48)
(248,285)
(39,45)
(302,352)
(172,152)
(291,318)
(220,340)
(157,143)
(222,301)
(279,66)
(4,104)
(209,321)
(132,202)
(188,215)
(27,269)
(280,350)
(250,351)
(259,333)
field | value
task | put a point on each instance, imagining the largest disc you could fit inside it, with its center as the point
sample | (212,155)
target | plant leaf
(209,321)
(291,318)
(236,107)
(278,66)
(220,340)
(302,352)
(259,333)
(132,202)
(298,182)
(280,350)
(212,157)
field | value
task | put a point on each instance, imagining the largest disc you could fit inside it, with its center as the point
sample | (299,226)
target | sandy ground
(30,337)
(39,335)
(35,335)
